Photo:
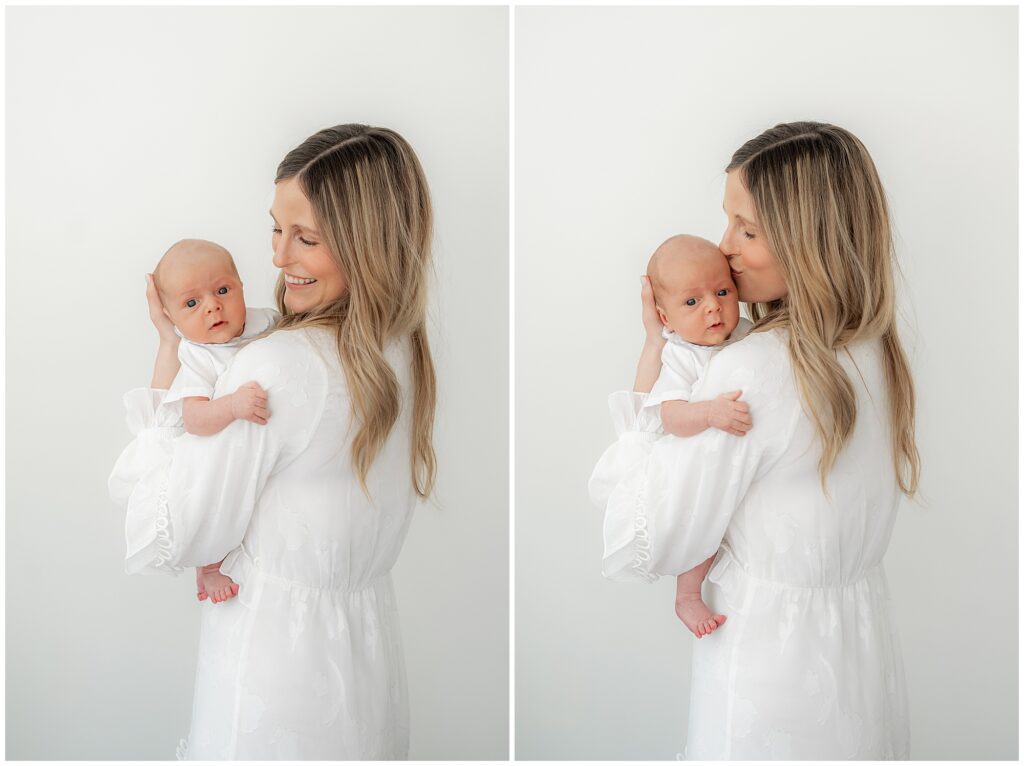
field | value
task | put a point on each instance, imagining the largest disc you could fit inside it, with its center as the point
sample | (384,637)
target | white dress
(808,663)
(306,662)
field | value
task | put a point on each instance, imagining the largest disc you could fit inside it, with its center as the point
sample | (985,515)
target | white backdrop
(130,128)
(625,119)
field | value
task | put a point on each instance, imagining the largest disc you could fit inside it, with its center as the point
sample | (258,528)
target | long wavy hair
(372,206)
(822,208)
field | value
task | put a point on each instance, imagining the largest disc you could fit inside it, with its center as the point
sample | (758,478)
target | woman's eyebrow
(745,220)
(310,229)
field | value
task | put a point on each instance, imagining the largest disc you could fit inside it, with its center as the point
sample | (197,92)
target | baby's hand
(249,402)
(726,414)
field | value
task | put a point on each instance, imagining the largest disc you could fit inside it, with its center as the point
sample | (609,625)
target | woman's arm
(668,501)
(189,498)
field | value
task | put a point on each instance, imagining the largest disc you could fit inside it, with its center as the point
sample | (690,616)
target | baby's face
(203,297)
(697,298)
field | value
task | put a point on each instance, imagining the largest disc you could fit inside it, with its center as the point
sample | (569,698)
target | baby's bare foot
(200,588)
(219,586)
(694,613)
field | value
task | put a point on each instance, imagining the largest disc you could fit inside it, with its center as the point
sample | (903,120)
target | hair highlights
(372,206)
(823,211)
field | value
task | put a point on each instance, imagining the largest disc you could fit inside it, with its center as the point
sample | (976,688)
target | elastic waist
(726,558)
(251,565)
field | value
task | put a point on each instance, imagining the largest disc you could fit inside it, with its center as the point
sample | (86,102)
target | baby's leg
(218,585)
(690,607)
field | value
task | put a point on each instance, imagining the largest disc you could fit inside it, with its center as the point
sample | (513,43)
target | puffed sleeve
(679,372)
(189,498)
(668,501)
(197,375)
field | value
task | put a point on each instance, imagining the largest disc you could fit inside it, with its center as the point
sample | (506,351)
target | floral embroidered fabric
(808,664)
(306,662)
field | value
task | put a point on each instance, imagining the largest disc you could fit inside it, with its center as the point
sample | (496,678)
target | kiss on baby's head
(693,290)
(201,291)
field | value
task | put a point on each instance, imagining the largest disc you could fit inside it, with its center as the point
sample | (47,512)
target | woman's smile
(293,281)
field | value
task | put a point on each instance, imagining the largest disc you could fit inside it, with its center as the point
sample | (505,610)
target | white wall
(625,119)
(129,128)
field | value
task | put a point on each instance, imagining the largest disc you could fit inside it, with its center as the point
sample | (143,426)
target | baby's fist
(727,414)
(249,402)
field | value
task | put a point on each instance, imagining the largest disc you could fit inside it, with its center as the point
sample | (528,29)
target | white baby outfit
(203,363)
(682,366)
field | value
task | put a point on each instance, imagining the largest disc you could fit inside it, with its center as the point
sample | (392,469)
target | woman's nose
(280,259)
(726,244)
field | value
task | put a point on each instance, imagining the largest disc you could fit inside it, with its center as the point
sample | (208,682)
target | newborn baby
(697,303)
(201,293)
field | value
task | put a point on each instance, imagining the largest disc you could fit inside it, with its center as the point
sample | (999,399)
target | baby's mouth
(717,326)
(217,324)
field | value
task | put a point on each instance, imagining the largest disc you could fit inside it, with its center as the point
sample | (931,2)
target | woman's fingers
(157,315)
(649,312)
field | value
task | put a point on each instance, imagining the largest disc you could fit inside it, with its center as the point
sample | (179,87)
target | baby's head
(693,290)
(201,291)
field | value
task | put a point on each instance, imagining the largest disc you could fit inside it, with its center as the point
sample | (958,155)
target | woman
(312,507)
(800,509)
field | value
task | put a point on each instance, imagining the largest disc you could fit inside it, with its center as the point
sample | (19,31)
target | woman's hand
(157,314)
(649,366)
(649,314)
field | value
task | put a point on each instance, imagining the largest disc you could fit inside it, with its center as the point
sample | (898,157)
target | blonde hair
(372,207)
(822,209)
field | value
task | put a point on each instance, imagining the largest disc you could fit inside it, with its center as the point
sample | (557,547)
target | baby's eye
(191,303)
(222,291)
(691,301)
(723,292)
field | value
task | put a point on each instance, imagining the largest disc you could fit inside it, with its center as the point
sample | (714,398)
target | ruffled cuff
(629,417)
(148,533)
(627,532)
(631,448)
(144,409)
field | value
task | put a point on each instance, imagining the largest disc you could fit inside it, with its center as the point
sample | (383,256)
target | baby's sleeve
(196,377)
(679,373)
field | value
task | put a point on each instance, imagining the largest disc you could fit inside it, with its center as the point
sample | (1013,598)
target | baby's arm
(681,418)
(205,417)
